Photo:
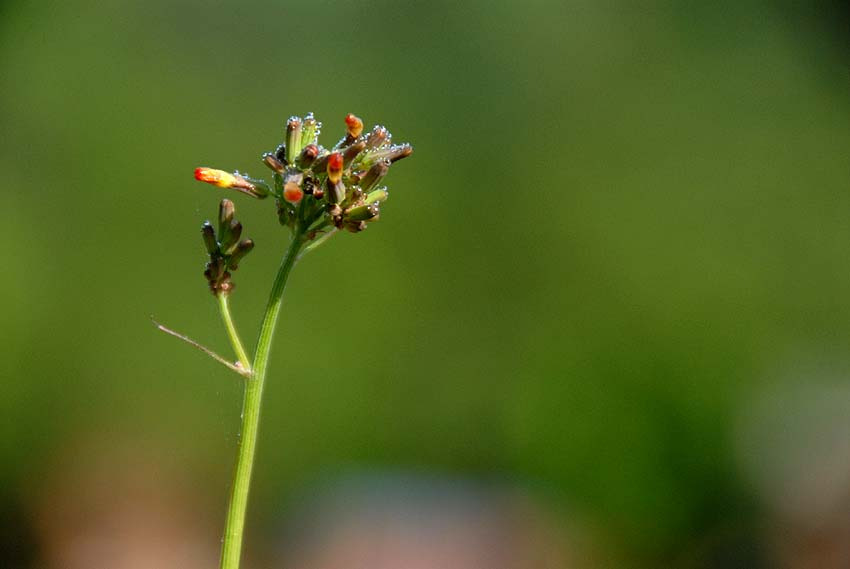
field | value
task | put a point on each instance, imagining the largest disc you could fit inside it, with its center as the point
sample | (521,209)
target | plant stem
(241,354)
(231,548)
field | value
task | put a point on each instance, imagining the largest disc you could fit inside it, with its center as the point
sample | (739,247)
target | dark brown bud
(399,152)
(377,137)
(242,248)
(334,191)
(351,152)
(208,233)
(308,155)
(374,175)
(273,163)
(320,165)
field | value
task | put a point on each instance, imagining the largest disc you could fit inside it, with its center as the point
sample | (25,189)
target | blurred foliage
(617,225)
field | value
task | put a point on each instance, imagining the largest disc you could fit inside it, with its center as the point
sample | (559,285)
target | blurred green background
(612,273)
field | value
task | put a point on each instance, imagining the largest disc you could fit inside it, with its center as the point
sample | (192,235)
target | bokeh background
(603,322)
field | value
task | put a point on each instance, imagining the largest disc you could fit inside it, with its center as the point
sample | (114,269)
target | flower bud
(219,178)
(235,181)
(374,175)
(351,152)
(363,213)
(320,165)
(208,234)
(308,155)
(378,137)
(335,165)
(242,248)
(226,210)
(309,129)
(354,124)
(293,139)
(391,153)
(377,196)
(355,226)
(399,152)
(335,191)
(292,192)
(273,163)
(229,240)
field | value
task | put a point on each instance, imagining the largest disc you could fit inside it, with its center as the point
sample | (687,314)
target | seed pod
(293,139)
(208,234)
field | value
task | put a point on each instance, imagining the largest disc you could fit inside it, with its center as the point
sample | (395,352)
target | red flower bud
(335,167)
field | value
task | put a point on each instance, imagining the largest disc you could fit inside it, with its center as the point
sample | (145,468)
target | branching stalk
(235,341)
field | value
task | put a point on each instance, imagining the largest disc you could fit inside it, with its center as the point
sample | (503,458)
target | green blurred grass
(616,225)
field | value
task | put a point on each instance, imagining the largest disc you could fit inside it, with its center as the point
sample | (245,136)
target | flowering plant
(317,191)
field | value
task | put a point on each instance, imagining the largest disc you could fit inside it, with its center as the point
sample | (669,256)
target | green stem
(234,526)
(241,354)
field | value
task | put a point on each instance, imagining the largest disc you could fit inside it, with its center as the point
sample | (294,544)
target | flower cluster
(225,249)
(317,190)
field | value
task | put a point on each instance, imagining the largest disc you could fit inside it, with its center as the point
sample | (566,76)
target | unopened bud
(399,152)
(353,196)
(354,124)
(320,165)
(235,181)
(292,192)
(377,137)
(351,152)
(226,210)
(335,164)
(308,155)
(374,175)
(229,240)
(335,191)
(242,248)
(391,153)
(293,139)
(355,226)
(273,163)
(377,196)
(219,178)
(363,212)
(309,130)
(208,233)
